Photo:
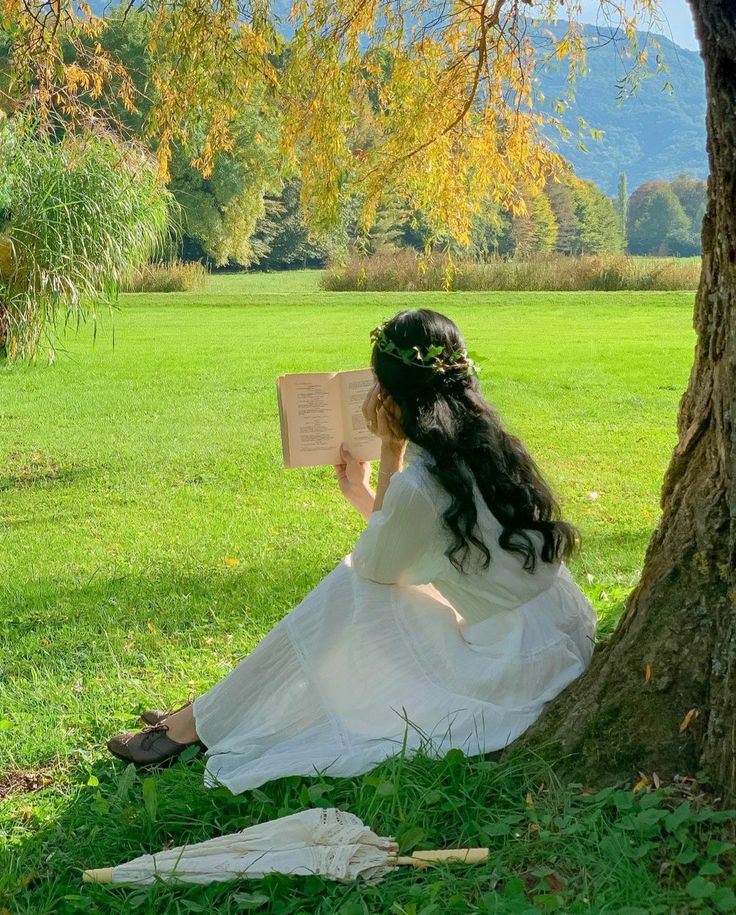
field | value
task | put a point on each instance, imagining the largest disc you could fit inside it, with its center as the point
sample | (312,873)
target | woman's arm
(353,478)
(392,460)
(384,420)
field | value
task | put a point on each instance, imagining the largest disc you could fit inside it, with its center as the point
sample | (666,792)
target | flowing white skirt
(359,670)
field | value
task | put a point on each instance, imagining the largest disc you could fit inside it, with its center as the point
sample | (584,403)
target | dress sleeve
(400,544)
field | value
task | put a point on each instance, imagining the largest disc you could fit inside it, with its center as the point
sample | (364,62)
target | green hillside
(654,134)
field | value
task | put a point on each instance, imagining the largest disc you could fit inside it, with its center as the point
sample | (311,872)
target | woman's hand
(353,478)
(383,418)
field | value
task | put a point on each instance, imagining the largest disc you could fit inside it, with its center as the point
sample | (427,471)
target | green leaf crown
(458,362)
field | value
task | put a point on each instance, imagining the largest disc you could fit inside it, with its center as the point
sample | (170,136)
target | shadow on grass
(172,601)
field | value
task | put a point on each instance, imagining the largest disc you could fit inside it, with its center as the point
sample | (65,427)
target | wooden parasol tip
(98,875)
(422,859)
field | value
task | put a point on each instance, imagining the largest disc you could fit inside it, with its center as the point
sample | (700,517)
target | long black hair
(445,413)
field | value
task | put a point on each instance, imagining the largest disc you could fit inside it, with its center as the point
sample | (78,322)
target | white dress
(397,649)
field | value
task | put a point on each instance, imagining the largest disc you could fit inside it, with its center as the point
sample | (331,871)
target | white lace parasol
(328,842)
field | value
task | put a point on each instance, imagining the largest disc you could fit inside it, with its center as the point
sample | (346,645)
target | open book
(319,411)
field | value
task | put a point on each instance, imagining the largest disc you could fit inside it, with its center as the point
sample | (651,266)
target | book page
(363,444)
(311,418)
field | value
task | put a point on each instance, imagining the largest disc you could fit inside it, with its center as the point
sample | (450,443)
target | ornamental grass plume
(79,212)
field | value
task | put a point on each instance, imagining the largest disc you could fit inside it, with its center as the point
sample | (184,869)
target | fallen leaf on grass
(231,561)
(647,672)
(555,883)
(687,720)
(642,783)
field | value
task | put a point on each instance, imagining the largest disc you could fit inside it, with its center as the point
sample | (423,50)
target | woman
(450,624)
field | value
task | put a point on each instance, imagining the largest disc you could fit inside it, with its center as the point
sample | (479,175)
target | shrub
(80,212)
(177,276)
(406,271)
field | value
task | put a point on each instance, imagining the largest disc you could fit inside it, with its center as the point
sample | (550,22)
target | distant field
(286,283)
(149,535)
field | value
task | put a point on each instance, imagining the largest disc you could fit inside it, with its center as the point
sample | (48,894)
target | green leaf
(686,857)
(93,782)
(189,753)
(150,798)
(717,848)
(724,899)
(679,816)
(514,889)
(125,783)
(710,869)
(454,757)
(648,818)
(623,800)
(5,724)
(250,900)
(313,886)
(548,902)
(317,792)
(408,839)
(699,888)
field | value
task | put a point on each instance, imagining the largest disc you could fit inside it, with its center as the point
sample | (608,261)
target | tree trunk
(660,695)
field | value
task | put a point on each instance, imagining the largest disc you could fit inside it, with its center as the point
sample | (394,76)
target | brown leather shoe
(149,747)
(157,715)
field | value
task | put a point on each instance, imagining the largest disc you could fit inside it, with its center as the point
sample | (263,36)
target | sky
(677,22)
(677,26)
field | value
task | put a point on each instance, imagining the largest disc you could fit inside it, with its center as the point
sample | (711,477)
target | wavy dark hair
(445,414)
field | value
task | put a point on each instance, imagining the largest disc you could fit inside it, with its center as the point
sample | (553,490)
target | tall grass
(408,271)
(82,211)
(176,276)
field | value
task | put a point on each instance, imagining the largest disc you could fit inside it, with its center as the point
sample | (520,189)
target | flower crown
(458,362)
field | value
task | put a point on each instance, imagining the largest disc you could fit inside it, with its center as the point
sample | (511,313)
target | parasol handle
(422,859)
(99,875)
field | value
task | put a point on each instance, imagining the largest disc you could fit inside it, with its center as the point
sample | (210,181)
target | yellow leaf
(232,561)
(563,48)
(684,724)
(647,672)
(642,783)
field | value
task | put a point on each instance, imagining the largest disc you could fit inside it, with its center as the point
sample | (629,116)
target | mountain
(653,134)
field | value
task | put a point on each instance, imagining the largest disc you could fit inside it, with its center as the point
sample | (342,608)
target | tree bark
(660,694)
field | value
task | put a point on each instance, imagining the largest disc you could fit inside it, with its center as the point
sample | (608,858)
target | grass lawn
(149,537)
